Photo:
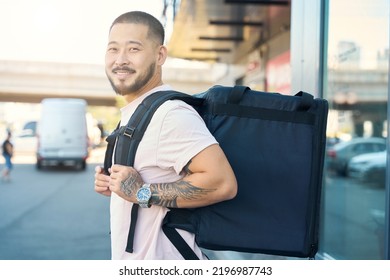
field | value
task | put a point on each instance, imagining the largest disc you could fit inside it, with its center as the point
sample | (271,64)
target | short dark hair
(156,29)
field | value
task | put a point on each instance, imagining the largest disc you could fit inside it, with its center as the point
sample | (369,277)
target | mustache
(123,68)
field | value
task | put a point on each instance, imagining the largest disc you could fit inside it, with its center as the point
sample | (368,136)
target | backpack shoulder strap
(111,139)
(131,135)
(180,218)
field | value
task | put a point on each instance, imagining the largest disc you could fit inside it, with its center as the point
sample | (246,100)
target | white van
(62,133)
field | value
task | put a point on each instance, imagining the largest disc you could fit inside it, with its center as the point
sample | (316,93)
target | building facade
(334,49)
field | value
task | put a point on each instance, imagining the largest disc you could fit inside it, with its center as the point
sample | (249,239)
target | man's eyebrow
(128,42)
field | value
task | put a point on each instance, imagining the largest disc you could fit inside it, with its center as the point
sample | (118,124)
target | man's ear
(162,55)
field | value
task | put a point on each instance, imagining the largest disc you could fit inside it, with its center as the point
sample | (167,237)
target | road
(52,215)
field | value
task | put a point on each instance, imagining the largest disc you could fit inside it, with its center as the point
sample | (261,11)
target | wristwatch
(143,196)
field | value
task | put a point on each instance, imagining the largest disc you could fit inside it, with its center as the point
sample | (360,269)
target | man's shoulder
(175,106)
(176,113)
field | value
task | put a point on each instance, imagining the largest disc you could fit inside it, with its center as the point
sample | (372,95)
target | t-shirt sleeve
(183,135)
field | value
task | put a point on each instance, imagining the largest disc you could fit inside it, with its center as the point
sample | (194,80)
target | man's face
(130,58)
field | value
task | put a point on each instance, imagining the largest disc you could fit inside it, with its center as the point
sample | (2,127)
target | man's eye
(111,49)
(133,49)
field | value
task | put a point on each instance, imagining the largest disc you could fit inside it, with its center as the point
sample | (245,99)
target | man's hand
(125,182)
(102,182)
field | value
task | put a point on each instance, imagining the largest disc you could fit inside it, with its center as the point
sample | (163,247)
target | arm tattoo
(128,186)
(166,194)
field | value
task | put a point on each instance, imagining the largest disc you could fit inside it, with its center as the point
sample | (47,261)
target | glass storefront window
(356,86)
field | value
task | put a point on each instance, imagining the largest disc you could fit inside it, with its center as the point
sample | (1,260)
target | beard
(139,82)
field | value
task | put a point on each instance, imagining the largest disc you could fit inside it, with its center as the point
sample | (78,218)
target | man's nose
(122,58)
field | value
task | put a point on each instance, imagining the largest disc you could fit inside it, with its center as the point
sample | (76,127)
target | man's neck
(153,83)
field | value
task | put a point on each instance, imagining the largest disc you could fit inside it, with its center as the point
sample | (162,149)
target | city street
(52,214)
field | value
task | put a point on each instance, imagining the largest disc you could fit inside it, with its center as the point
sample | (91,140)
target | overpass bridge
(30,82)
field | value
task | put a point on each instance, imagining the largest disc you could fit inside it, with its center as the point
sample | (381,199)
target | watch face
(143,194)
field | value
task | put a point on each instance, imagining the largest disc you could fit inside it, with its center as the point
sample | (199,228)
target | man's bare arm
(167,194)
(208,179)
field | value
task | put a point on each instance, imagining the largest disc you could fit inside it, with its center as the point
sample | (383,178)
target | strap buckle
(127,131)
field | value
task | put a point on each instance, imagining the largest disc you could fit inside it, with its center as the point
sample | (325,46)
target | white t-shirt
(175,134)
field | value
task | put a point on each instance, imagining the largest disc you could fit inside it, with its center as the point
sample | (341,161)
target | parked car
(338,156)
(369,168)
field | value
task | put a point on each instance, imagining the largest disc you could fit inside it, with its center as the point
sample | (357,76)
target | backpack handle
(236,94)
(306,100)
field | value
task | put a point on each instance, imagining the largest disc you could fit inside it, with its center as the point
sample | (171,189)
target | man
(178,160)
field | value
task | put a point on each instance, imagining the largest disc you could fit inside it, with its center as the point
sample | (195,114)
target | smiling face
(133,60)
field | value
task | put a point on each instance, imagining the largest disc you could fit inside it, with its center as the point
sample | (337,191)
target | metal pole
(387,206)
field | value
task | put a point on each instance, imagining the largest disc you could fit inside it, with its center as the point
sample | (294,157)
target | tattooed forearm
(128,186)
(167,194)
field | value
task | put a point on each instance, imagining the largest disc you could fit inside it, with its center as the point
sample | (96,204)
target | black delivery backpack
(275,144)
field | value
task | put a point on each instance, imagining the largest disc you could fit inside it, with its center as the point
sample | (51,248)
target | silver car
(338,156)
(369,168)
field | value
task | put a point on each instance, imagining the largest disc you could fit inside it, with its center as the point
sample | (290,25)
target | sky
(76,31)
(366,24)
(71,31)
